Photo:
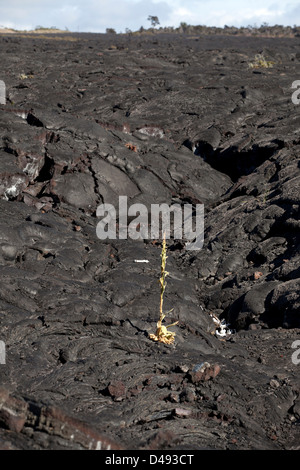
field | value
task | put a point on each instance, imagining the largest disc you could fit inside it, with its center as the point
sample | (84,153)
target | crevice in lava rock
(9,149)
(93,174)
(34,121)
(51,137)
(236,163)
(257,259)
(47,170)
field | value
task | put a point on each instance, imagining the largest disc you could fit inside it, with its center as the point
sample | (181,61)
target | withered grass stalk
(163,335)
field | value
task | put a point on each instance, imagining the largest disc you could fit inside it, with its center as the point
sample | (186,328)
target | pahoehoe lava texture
(160,119)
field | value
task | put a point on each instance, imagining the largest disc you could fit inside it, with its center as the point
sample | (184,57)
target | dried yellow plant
(261,62)
(163,335)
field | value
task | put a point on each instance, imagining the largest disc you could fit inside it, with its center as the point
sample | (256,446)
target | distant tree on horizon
(154,20)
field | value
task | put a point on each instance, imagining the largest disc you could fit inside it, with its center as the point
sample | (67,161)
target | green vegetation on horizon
(184,28)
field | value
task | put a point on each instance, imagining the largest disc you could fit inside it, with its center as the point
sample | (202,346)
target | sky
(97,15)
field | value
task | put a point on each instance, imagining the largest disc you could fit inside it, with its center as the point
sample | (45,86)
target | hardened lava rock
(161,119)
